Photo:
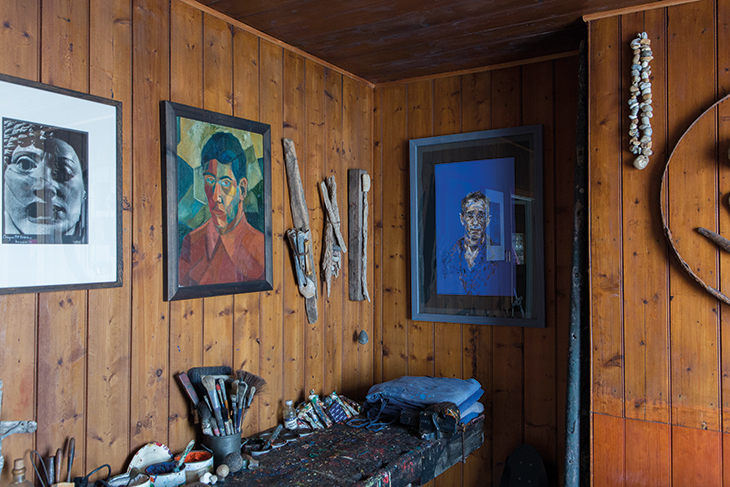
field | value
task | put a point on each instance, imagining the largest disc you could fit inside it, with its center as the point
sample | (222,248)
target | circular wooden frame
(667,231)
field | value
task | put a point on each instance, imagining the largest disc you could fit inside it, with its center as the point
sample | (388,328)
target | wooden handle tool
(71,452)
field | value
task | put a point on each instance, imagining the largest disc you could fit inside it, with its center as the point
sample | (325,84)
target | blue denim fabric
(411,392)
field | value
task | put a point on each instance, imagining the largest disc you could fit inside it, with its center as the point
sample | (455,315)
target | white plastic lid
(289,402)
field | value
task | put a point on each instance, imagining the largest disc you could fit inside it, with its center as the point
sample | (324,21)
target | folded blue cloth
(471,412)
(417,392)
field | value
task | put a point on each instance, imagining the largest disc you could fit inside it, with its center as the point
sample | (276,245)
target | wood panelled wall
(522,370)
(100,365)
(660,344)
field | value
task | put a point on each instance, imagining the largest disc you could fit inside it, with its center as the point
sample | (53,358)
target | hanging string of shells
(640,111)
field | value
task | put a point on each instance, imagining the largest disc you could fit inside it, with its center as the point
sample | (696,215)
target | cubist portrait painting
(220,204)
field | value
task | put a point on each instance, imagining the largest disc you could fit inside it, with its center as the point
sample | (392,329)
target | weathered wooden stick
(364,273)
(334,211)
(719,240)
(300,217)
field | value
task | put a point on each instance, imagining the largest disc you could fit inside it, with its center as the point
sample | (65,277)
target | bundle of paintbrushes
(226,399)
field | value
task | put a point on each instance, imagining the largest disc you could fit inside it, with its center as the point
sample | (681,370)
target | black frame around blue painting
(504,165)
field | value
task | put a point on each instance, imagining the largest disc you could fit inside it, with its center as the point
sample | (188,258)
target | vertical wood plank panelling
(507,412)
(333,161)
(448,336)
(365,131)
(692,187)
(246,324)
(314,357)
(648,453)
(566,87)
(351,310)
(62,316)
(217,97)
(477,340)
(539,374)
(107,426)
(186,317)
(608,447)
(150,332)
(420,124)
(645,293)
(272,326)
(605,219)
(696,457)
(395,231)
(295,316)
(723,135)
(20,43)
(379,218)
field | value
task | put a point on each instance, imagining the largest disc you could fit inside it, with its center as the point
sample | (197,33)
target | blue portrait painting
(474,224)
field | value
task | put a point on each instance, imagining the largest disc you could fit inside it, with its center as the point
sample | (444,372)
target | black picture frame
(204,269)
(476,203)
(68,236)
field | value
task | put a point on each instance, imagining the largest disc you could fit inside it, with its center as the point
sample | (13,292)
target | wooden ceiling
(388,40)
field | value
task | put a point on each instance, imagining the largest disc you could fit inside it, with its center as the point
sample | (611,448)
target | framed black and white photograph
(476,228)
(61,222)
(217,203)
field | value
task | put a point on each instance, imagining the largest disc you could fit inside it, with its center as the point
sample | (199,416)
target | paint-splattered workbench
(344,456)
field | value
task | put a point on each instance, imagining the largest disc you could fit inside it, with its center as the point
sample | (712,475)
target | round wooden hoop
(667,231)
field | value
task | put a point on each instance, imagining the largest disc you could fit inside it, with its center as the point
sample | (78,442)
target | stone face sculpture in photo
(331,254)
(358,187)
(300,236)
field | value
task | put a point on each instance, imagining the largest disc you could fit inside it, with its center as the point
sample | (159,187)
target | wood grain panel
(365,131)
(333,159)
(540,343)
(645,306)
(566,87)
(246,321)
(395,230)
(62,316)
(508,341)
(696,457)
(648,453)
(314,361)
(186,317)
(150,332)
(692,186)
(608,451)
(723,82)
(351,310)
(295,317)
(378,222)
(272,326)
(19,40)
(605,203)
(107,426)
(476,114)
(217,97)
(420,124)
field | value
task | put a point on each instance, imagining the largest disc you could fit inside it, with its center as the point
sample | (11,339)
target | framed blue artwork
(477,228)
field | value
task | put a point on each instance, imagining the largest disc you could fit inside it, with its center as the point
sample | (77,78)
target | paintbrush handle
(273,436)
(217,410)
(71,453)
(58,459)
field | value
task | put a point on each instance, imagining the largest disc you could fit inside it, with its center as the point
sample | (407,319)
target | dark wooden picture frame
(225,248)
(61,189)
(477,228)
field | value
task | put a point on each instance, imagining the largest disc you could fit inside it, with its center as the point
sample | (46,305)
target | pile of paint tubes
(320,414)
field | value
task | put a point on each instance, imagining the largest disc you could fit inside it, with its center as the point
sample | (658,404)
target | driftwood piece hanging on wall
(358,187)
(300,236)
(331,255)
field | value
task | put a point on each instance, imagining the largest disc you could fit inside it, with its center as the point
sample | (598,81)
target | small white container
(197,462)
(141,480)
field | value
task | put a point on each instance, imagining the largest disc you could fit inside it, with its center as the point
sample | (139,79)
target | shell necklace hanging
(640,127)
